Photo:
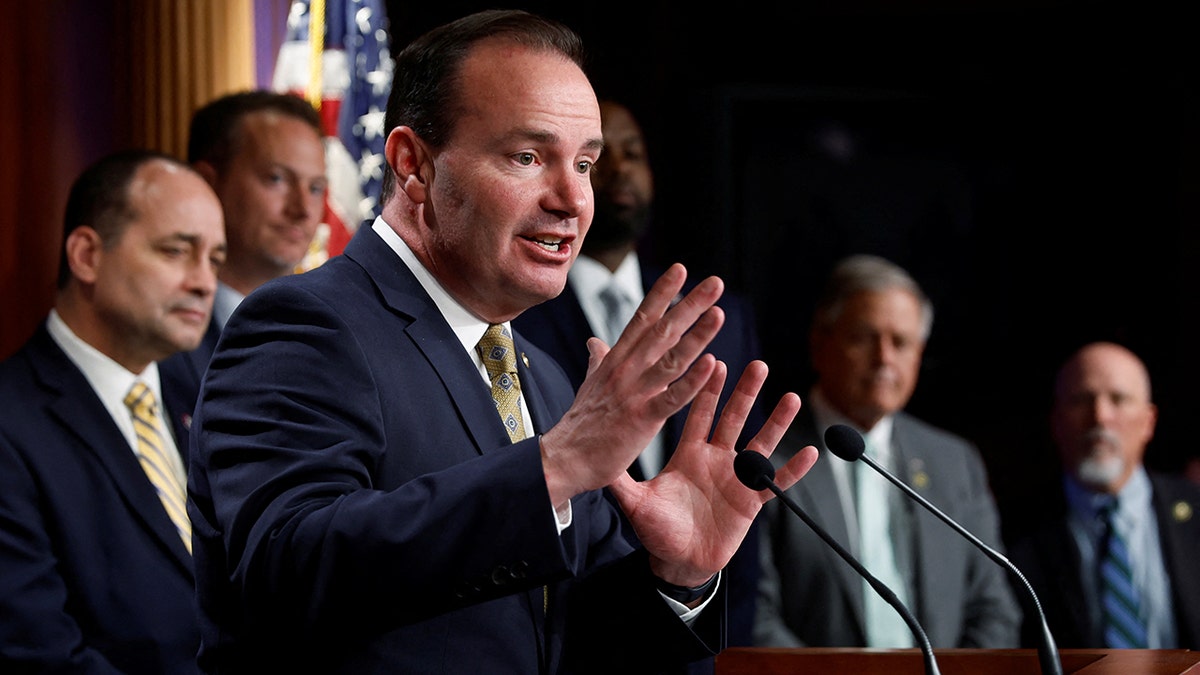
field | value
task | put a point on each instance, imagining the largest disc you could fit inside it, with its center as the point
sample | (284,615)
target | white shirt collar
(110,380)
(588,277)
(466,326)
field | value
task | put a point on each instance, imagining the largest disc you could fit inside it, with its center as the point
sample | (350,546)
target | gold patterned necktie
(151,452)
(500,359)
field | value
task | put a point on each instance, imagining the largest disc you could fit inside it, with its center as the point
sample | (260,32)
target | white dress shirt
(111,382)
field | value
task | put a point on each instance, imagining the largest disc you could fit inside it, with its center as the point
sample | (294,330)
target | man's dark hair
(425,94)
(99,199)
(216,128)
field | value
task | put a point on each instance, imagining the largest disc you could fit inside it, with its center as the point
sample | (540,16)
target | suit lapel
(422,323)
(1178,516)
(819,496)
(930,537)
(81,414)
(826,508)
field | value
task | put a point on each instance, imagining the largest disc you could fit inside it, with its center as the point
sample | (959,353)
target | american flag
(349,38)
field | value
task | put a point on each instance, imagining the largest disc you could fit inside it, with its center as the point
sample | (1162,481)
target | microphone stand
(1047,649)
(762,470)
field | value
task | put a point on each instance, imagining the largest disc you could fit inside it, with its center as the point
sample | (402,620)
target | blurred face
(153,289)
(1102,417)
(509,198)
(869,359)
(273,194)
(622,180)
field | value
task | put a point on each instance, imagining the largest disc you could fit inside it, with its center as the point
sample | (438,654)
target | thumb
(597,350)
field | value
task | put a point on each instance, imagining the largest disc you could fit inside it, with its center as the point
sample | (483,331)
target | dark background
(1033,165)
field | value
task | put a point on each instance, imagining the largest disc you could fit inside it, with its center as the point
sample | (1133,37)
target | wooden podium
(769,661)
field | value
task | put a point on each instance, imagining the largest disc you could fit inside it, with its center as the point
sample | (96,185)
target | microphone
(755,471)
(849,445)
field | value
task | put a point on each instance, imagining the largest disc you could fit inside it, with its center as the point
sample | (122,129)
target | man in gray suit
(869,332)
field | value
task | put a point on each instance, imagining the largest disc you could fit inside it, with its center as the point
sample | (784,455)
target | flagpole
(316,48)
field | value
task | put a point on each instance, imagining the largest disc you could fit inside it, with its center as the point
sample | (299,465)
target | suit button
(501,575)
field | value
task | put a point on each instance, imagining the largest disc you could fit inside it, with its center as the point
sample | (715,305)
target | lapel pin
(1182,511)
(525,359)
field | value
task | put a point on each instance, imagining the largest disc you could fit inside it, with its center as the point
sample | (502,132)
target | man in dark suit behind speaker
(96,574)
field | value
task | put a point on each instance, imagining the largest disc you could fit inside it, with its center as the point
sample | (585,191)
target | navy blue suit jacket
(358,506)
(1048,558)
(93,575)
(560,327)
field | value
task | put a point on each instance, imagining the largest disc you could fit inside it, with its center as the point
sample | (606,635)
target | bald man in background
(1102,419)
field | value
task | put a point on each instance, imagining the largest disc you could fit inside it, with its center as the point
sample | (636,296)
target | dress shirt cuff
(562,516)
(689,614)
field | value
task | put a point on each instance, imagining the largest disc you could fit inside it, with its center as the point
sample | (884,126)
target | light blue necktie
(615,308)
(885,626)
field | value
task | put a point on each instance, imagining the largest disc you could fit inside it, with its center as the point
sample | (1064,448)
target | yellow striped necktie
(151,452)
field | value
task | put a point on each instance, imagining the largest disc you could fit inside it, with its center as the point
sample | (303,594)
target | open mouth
(548,244)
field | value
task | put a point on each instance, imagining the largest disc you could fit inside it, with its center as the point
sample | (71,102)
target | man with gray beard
(1140,590)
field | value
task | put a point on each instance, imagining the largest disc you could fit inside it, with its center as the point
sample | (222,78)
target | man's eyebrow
(185,237)
(549,137)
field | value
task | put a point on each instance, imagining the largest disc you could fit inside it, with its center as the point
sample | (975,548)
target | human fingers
(660,323)
(597,350)
(704,407)
(787,475)
(682,370)
(776,425)
(737,408)
(683,390)
(656,303)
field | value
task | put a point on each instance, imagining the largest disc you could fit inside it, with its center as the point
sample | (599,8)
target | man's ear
(83,248)
(411,161)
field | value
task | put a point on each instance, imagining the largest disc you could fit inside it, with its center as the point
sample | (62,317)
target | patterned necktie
(885,626)
(500,359)
(614,302)
(151,452)
(1122,623)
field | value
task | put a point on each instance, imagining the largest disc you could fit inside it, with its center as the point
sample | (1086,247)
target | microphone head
(753,469)
(845,442)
